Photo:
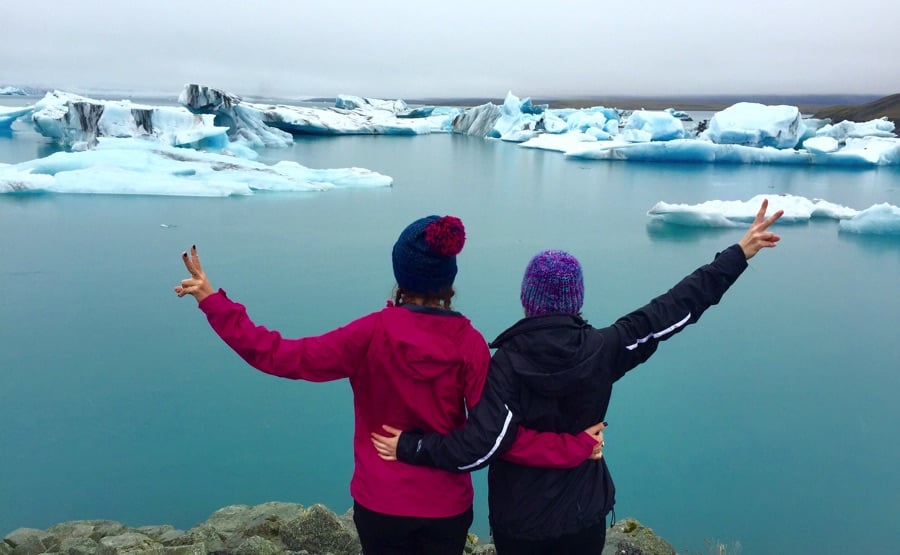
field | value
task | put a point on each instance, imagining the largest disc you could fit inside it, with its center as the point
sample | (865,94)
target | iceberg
(518,122)
(855,130)
(866,151)
(680,114)
(213,122)
(565,142)
(821,145)
(359,116)
(351,102)
(477,121)
(8,115)
(145,167)
(598,121)
(646,126)
(756,125)
(876,151)
(244,121)
(77,122)
(731,213)
(11,91)
(745,133)
(686,150)
(882,219)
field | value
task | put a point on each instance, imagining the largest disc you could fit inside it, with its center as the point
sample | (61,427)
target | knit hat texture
(424,255)
(552,283)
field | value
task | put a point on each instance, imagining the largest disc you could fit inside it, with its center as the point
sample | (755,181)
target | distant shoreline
(709,102)
(832,106)
(705,103)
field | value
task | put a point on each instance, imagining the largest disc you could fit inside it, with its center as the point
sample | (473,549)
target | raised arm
(320,358)
(637,334)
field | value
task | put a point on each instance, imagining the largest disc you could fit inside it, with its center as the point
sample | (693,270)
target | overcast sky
(477,48)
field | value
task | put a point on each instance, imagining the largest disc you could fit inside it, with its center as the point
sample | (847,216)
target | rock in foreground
(272,528)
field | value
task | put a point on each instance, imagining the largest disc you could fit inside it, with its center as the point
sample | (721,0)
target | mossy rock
(630,537)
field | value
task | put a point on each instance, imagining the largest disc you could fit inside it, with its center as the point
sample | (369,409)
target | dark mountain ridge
(888,106)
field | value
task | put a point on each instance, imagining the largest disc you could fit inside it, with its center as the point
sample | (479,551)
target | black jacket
(555,373)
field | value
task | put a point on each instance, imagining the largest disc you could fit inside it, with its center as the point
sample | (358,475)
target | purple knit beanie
(553,283)
(424,256)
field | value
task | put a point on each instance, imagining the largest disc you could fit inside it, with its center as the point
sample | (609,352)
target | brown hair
(442,297)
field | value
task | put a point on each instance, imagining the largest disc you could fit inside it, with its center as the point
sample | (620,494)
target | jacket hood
(552,353)
(428,341)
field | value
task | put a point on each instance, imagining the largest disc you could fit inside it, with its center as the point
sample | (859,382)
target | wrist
(409,446)
(203,292)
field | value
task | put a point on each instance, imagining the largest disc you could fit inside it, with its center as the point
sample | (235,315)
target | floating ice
(145,167)
(353,115)
(756,125)
(559,142)
(74,120)
(877,151)
(520,121)
(10,114)
(866,151)
(745,133)
(646,126)
(244,121)
(517,122)
(477,121)
(12,91)
(854,130)
(220,122)
(685,150)
(821,145)
(684,116)
(598,121)
(878,219)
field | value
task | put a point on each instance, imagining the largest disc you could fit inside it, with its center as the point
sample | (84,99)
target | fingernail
(194,247)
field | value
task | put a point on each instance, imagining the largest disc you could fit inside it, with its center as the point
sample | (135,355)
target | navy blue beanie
(424,255)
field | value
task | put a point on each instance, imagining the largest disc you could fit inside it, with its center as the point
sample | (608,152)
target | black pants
(585,542)
(382,534)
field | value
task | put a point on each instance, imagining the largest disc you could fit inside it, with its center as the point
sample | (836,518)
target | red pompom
(446,236)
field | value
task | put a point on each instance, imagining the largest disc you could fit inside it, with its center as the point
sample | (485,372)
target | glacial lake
(770,423)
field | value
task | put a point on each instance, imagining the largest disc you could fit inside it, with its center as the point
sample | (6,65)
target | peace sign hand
(196,285)
(758,235)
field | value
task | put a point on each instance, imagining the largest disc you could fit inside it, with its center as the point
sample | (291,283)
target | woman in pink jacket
(417,364)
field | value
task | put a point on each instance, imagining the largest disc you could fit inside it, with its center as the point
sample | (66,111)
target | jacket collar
(536,323)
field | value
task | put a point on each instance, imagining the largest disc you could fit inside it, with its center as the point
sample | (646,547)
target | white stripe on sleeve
(496,446)
(659,334)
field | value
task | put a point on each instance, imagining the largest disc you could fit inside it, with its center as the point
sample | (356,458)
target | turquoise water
(770,423)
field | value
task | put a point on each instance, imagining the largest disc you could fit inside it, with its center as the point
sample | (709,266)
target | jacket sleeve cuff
(736,253)
(587,442)
(213,301)
(409,447)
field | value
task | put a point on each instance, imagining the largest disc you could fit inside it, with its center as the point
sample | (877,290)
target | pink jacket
(412,369)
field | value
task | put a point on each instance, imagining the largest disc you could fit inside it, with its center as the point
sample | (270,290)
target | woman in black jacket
(554,372)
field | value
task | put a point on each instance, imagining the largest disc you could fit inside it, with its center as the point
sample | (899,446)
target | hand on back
(596,433)
(387,445)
